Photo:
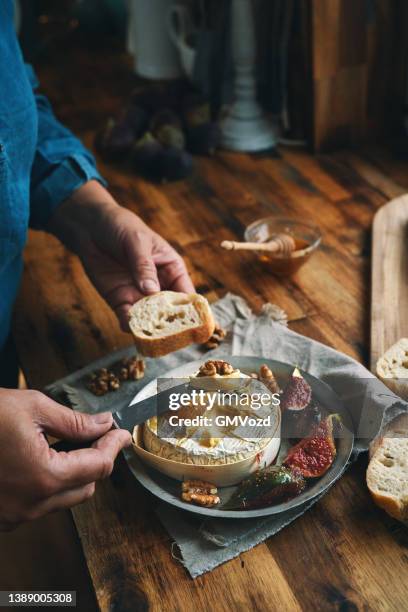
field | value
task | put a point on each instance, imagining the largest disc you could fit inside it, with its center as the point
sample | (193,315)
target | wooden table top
(344,553)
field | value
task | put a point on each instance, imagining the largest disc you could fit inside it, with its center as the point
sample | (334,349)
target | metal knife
(132,415)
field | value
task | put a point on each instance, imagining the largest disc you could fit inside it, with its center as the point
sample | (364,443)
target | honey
(283,265)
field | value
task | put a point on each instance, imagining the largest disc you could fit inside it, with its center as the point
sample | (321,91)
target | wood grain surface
(344,554)
(389,277)
(359,60)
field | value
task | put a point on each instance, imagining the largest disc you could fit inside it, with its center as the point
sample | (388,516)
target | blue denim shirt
(41,162)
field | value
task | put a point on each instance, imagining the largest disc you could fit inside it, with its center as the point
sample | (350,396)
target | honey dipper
(282,244)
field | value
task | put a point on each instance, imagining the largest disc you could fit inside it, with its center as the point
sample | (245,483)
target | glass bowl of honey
(306,235)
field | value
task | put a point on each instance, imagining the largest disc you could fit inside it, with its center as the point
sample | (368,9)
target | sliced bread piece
(392,368)
(387,473)
(168,321)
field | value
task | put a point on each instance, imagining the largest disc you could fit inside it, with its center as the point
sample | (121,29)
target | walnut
(136,368)
(208,369)
(224,368)
(130,368)
(98,387)
(98,382)
(211,344)
(200,493)
(123,373)
(200,499)
(199,486)
(266,376)
(216,338)
(219,333)
(113,382)
(265,371)
(103,380)
(215,366)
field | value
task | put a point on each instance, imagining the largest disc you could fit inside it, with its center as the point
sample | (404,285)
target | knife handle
(67,446)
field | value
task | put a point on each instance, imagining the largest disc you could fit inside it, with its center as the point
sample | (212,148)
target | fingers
(87,465)
(121,299)
(122,312)
(65,499)
(112,443)
(63,422)
(173,273)
(138,247)
(174,276)
(183,283)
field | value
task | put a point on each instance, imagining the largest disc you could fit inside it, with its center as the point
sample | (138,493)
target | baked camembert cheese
(210,445)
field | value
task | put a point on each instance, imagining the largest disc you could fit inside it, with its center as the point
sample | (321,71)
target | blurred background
(329,73)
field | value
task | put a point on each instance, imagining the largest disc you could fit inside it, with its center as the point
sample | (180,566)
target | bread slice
(392,368)
(387,473)
(168,321)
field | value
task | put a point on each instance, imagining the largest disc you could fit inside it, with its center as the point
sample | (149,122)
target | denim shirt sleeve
(61,163)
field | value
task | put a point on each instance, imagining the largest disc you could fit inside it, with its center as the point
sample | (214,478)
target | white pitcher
(180,29)
(156,56)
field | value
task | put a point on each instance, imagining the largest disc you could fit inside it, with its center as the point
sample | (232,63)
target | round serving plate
(168,489)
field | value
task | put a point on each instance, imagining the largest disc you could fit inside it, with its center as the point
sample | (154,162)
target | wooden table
(344,554)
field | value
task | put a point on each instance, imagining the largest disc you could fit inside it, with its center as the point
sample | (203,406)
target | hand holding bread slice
(168,321)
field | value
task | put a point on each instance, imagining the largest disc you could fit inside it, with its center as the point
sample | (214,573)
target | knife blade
(140,412)
(134,414)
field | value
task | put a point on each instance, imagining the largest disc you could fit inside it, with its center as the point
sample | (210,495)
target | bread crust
(390,505)
(395,428)
(394,506)
(158,347)
(393,362)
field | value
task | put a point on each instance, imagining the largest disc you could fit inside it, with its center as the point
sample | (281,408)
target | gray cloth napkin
(206,544)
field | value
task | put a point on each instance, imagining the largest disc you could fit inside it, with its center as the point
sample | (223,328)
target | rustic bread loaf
(168,321)
(392,368)
(387,473)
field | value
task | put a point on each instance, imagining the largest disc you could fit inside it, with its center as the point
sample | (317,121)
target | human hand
(36,479)
(122,256)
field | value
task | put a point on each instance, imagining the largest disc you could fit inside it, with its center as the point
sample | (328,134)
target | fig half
(271,485)
(297,393)
(314,455)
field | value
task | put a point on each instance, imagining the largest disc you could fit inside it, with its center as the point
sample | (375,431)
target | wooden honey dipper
(282,244)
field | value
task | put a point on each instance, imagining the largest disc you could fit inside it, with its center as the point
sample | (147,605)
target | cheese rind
(189,450)
(208,440)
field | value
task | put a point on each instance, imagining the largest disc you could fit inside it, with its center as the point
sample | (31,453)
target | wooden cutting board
(389,277)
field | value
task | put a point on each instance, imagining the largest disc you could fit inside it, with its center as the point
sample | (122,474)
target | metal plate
(168,489)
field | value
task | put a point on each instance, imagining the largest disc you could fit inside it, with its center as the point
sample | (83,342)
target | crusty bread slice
(168,321)
(387,473)
(392,368)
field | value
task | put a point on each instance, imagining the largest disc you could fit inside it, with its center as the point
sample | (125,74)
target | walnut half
(131,368)
(103,381)
(216,338)
(266,376)
(200,493)
(213,367)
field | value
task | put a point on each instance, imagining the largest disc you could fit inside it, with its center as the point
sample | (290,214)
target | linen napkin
(206,544)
